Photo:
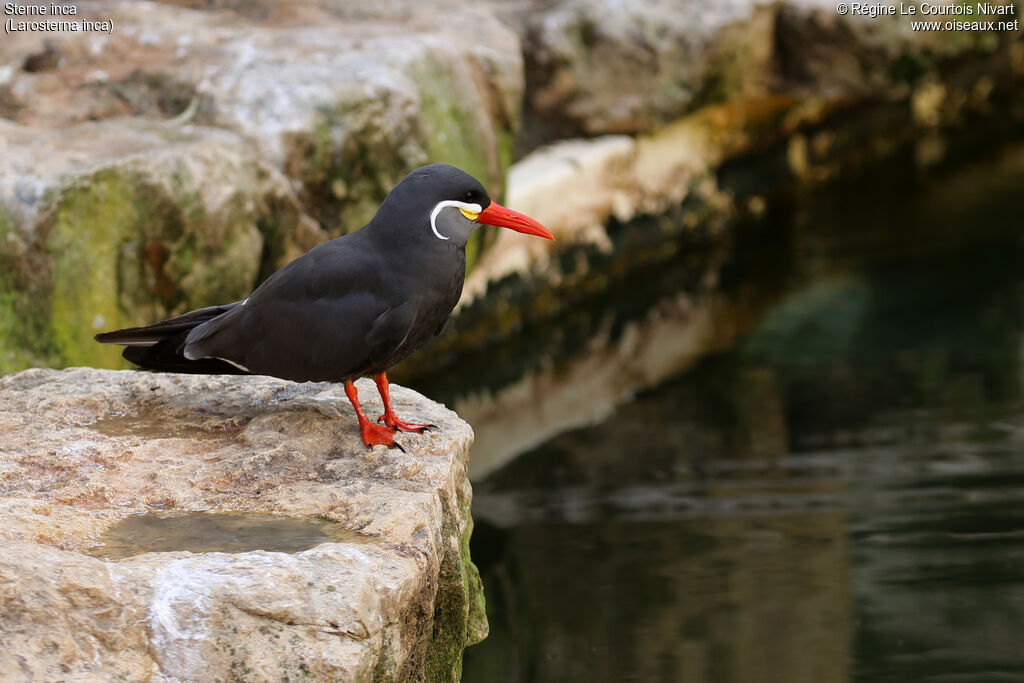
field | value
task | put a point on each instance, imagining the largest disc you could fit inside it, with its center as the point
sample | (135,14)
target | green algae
(353,155)
(454,131)
(83,241)
(125,246)
(24,337)
(477,626)
(460,615)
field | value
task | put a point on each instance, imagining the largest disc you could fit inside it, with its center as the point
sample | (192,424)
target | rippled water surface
(838,496)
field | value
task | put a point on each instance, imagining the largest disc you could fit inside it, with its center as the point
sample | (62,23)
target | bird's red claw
(394,423)
(378,435)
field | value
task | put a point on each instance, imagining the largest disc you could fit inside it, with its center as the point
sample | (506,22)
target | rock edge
(81,449)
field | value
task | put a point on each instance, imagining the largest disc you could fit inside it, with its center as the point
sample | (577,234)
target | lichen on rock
(128,223)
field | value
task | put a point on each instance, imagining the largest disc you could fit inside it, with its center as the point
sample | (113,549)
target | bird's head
(447,204)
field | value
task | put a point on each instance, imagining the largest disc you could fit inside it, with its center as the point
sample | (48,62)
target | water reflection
(860,564)
(839,496)
(225,532)
(726,599)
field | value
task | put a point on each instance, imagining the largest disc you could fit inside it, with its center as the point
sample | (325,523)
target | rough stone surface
(344,98)
(603,66)
(112,224)
(597,67)
(396,599)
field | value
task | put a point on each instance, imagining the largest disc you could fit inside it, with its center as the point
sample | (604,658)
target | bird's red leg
(373,434)
(389,417)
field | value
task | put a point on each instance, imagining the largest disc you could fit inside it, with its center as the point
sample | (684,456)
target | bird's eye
(468,197)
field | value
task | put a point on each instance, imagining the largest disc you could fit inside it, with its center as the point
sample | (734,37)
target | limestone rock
(600,66)
(394,597)
(597,67)
(344,98)
(113,224)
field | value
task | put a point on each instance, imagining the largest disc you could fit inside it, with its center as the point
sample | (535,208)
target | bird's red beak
(496,214)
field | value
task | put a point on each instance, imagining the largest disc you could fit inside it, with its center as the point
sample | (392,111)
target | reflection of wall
(937,566)
(721,599)
(1020,363)
(585,389)
(669,437)
(749,415)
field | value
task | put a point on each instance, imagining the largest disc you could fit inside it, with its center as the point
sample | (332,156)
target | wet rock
(114,224)
(397,598)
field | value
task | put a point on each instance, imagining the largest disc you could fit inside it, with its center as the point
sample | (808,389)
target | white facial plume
(470,211)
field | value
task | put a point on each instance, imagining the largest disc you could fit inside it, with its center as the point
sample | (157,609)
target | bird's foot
(378,435)
(392,421)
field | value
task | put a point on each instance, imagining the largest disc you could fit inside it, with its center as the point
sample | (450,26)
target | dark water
(837,497)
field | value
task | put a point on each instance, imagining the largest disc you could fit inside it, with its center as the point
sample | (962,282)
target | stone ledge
(396,598)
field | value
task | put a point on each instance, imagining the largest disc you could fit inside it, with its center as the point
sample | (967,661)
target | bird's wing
(309,321)
(389,331)
(151,334)
(443,327)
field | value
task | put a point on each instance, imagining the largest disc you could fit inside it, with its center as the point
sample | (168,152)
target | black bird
(350,307)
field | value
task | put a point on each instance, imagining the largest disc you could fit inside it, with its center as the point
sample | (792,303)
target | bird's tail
(160,346)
